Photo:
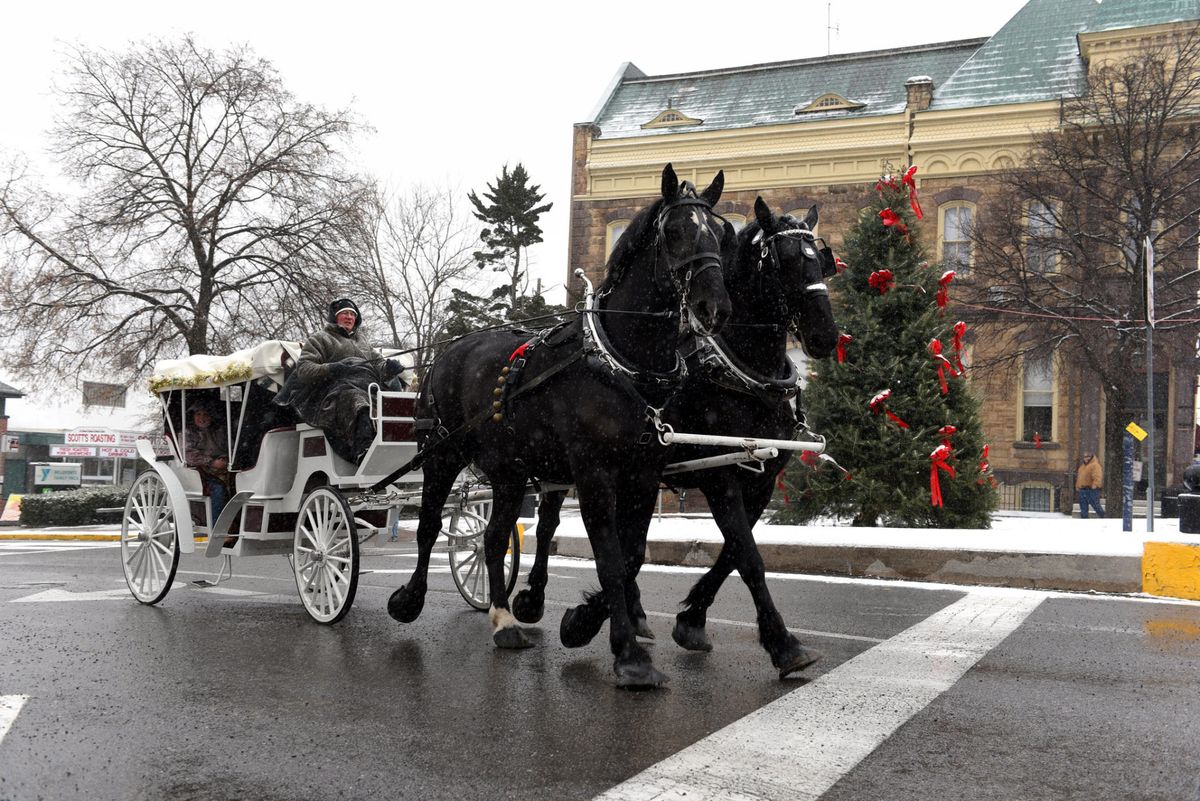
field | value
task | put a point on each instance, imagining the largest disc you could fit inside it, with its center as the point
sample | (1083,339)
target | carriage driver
(329,386)
(207,453)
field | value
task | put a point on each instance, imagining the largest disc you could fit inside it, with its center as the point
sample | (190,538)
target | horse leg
(598,504)
(729,510)
(506,508)
(689,631)
(529,604)
(406,603)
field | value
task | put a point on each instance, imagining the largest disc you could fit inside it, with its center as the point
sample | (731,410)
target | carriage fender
(184,533)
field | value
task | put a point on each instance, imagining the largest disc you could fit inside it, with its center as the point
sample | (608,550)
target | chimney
(920,92)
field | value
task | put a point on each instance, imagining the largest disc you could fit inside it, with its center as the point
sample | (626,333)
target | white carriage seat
(395,435)
(275,469)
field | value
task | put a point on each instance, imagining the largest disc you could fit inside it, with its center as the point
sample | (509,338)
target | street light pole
(1150,382)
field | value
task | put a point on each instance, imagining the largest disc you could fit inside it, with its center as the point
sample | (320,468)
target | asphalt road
(924,693)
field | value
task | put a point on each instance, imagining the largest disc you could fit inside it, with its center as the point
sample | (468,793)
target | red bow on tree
(886,181)
(939,460)
(911,183)
(779,485)
(945,432)
(877,405)
(839,264)
(890,219)
(881,280)
(943,364)
(960,328)
(943,293)
(843,341)
(985,468)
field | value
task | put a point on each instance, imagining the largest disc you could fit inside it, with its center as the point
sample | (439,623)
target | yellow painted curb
(1171,569)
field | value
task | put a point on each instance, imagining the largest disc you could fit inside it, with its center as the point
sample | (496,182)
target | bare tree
(1059,250)
(208,203)
(417,247)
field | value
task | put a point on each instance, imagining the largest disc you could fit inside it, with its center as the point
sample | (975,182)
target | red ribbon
(779,485)
(960,328)
(886,181)
(939,460)
(839,264)
(881,280)
(911,183)
(945,432)
(809,458)
(843,341)
(984,469)
(877,405)
(1037,440)
(943,293)
(943,364)
(890,219)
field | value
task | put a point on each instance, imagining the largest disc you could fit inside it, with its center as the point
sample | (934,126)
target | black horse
(739,383)
(571,407)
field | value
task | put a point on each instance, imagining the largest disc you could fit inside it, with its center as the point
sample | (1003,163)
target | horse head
(802,263)
(689,237)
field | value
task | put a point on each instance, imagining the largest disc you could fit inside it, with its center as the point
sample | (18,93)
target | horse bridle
(706,259)
(808,246)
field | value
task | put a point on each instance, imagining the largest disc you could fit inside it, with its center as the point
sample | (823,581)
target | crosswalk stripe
(797,747)
(10,705)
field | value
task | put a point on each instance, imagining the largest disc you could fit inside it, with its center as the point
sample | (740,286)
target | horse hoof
(798,660)
(510,637)
(693,638)
(526,609)
(642,629)
(405,606)
(578,628)
(641,676)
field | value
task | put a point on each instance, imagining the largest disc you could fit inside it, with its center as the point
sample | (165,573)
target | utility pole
(1149,261)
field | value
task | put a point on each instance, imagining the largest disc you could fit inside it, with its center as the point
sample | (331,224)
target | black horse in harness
(571,407)
(739,383)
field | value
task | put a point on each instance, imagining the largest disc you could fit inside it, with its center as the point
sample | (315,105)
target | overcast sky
(456,89)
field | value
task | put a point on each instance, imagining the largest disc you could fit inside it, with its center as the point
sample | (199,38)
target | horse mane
(632,242)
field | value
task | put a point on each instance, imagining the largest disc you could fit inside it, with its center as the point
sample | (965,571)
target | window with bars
(96,393)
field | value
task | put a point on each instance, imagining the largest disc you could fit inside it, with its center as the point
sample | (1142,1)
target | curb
(1172,569)
(1072,572)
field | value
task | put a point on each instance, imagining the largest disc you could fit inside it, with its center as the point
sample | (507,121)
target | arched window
(954,235)
(612,234)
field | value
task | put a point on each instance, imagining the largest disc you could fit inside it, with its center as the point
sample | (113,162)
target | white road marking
(57,595)
(804,742)
(10,706)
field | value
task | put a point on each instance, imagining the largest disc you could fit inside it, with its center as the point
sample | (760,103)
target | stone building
(822,130)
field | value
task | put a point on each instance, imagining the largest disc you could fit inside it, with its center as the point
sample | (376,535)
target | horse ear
(810,219)
(670,183)
(764,215)
(713,193)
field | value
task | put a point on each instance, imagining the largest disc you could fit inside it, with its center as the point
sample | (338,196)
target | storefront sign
(109,452)
(72,450)
(10,444)
(91,436)
(57,475)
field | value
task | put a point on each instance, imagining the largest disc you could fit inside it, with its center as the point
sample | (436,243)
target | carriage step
(224,574)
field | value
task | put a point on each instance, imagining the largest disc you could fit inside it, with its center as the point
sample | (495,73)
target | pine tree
(511,215)
(888,303)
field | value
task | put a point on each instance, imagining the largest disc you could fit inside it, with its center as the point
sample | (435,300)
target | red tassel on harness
(843,341)
(911,183)
(939,460)
(519,351)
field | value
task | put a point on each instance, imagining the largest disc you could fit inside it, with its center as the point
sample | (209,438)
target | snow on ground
(1023,533)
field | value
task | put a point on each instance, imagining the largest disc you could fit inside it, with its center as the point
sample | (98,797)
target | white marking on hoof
(500,618)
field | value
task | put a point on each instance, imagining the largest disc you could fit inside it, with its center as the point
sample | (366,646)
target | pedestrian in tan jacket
(1088,481)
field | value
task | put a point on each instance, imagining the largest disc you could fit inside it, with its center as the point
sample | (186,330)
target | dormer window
(830,101)
(671,118)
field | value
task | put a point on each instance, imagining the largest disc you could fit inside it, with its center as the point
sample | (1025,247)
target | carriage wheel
(325,555)
(149,541)
(464,530)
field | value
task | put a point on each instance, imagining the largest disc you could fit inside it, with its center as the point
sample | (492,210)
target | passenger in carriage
(207,452)
(329,385)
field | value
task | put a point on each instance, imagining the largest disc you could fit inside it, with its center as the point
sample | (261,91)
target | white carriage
(292,495)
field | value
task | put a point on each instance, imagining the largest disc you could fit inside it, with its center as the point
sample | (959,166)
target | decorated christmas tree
(894,403)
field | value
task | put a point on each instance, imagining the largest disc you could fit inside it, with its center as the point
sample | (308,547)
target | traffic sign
(1138,432)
